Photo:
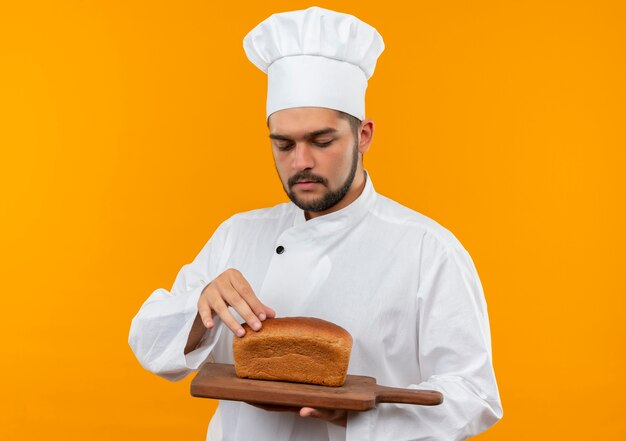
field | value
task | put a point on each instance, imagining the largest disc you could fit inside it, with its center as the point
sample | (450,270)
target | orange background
(130,130)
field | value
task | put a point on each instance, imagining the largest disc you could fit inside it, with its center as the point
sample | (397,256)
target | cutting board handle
(386,394)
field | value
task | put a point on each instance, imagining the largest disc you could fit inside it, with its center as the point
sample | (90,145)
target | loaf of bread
(297,349)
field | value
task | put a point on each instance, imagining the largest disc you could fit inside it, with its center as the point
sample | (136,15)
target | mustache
(306,175)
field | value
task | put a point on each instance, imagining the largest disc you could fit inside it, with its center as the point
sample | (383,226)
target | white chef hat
(315,57)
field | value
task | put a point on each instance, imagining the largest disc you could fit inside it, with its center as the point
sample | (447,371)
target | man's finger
(269,312)
(241,285)
(239,304)
(338,417)
(208,321)
(204,310)
(221,309)
(309,412)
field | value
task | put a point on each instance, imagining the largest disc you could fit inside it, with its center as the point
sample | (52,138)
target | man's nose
(302,157)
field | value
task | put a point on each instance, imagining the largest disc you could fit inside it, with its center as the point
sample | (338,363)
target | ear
(366,135)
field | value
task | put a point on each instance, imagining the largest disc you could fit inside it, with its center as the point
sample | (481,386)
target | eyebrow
(310,135)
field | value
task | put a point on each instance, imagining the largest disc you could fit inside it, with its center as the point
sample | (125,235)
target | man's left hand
(335,416)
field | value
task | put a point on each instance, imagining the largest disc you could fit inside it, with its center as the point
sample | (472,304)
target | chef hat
(315,57)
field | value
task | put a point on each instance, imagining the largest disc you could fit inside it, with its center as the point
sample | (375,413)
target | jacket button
(280,249)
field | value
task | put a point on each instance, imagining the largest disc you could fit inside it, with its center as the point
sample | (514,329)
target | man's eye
(284,147)
(322,143)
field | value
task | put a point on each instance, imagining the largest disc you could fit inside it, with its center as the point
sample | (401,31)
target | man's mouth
(306,185)
(303,181)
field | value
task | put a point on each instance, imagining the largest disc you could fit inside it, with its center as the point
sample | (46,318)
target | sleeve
(159,331)
(454,357)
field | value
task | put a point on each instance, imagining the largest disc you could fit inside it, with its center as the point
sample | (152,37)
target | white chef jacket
(400,283)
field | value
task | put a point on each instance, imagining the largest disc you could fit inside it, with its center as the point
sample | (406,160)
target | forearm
(453,357)
(198,330)
(164,335)
(463,414)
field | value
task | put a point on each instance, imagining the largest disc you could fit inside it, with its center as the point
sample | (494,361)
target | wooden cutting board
(219,381)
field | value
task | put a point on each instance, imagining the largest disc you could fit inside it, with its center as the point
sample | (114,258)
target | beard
(331,197)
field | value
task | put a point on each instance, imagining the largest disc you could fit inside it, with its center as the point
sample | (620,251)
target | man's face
(316,156)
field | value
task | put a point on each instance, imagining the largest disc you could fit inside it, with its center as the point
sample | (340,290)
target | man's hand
(231,289)
(339,417)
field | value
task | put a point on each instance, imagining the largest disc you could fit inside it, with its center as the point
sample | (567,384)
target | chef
(401,284)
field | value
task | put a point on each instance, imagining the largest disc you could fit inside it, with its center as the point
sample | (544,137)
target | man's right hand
(231,289)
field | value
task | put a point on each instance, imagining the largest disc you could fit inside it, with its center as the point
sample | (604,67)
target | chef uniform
(400,283)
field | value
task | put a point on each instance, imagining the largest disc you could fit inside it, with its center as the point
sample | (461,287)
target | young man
(400,283)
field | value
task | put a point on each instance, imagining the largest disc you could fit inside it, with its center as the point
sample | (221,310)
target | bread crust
(297,349)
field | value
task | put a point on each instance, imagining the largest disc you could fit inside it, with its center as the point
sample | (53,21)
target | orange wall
(130,130)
